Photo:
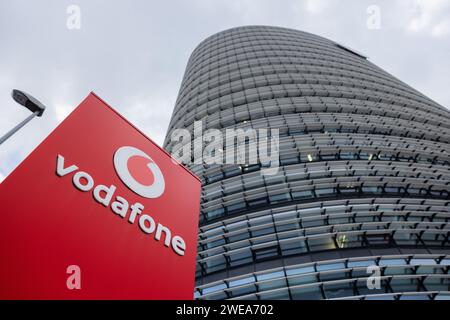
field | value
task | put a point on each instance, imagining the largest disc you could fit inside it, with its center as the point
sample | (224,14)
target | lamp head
(28,101)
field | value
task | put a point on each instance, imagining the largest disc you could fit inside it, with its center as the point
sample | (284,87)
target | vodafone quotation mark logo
(139,172)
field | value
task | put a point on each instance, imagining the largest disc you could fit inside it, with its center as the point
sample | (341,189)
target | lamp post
(29,102)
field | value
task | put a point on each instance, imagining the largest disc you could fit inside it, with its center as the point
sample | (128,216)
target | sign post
(98,211)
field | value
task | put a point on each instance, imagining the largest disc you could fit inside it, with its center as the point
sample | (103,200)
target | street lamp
(28,102)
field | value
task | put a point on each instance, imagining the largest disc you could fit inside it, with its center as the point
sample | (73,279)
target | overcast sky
(133,53)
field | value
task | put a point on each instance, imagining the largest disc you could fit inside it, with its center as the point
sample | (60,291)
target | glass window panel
(334,275)
(293,247)
(215,243)
(236,225)
(349,240)
(265,253)
(340,220)
(419,261)
(275,295)
(338,290)
(241,281)
(215,213)
(302,194)
(391,189)
(373,190)
(236,207)
(433,238)
(360,272)
(257,202)
(328,157)
(366,218)
(263,231)
(271,275)
(273,284)
(415,297)
(288,226)
(310,212)
(381,297)
(300,270)
(403,238)
(323,243)
(240,257)
(239,236)
(326,192)
(391,262)
(306,293)
(398,270)
(214,178)
(404,284)
(310,223)
(280,198)
(361,263)
(429,270)
(348,155)
(303,279)
(330,266)
(260,220)
(217,263)
(346,189)
(285,216)
(240,291)
(378,239)
(214,288)
(435,283)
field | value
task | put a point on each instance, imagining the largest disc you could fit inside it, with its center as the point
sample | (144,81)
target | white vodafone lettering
(105,195)
(178,245)
(151,224)
(79,177)
(108,193)
(120,206)
(60,170)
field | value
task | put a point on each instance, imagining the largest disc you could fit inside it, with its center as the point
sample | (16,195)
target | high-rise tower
(363,184)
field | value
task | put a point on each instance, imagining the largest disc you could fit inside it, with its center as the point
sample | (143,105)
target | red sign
(98,211)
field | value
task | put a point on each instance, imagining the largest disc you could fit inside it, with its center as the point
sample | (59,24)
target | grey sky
(133,53)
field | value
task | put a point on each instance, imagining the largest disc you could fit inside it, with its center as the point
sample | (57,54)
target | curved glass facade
(363,180)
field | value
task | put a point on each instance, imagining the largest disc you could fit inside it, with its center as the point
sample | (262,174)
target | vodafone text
(83,181)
